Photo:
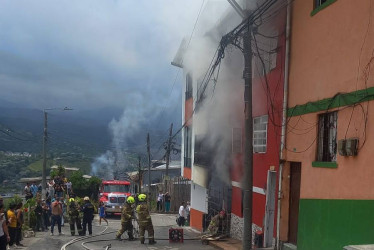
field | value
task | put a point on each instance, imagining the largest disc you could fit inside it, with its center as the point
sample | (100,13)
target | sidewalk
(227,244)
(232,244)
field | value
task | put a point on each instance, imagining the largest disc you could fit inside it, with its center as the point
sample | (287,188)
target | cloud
(91,53)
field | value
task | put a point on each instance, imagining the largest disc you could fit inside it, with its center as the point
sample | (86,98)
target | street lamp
(45,136)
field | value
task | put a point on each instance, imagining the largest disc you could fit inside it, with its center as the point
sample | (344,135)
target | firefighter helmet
(142,197)
(130,200)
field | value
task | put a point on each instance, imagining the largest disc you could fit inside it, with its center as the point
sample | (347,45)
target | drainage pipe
(284,116)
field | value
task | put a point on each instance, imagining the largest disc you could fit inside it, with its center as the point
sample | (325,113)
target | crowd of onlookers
(48,212)
(11,225)
(55,188)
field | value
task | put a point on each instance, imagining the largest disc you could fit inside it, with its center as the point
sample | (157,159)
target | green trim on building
(339,100)
(324,164)
(333,224)
(322,6)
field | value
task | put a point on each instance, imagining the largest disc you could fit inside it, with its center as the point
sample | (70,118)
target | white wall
(199,198)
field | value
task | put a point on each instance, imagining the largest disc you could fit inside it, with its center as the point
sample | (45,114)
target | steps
(289,246)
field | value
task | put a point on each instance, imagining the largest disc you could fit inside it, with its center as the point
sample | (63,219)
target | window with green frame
(321,4)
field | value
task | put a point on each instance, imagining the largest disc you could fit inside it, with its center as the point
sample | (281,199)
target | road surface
(104,236)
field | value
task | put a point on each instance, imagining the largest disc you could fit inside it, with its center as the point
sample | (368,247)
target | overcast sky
(88,54)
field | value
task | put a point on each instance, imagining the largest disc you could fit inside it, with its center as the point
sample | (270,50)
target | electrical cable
(220,52)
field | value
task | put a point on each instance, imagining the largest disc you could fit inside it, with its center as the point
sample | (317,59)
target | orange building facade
(327,198)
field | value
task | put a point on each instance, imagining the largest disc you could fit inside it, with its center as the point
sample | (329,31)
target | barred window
(327,148)
(260,127)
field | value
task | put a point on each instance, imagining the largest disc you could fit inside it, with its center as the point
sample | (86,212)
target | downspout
(284,116)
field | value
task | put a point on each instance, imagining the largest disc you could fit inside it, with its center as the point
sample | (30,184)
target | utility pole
(149,171)
(248,145)
(44,170)
(139,178)
(166,179)
(168,151)
(247,182)
(45,138)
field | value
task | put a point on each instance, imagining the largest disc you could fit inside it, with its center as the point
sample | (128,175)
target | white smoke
(133,122)
(103,165)
(222,108)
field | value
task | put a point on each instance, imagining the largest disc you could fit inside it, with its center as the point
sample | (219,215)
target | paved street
(105,235)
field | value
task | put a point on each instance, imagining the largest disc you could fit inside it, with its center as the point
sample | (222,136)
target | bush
(12,201)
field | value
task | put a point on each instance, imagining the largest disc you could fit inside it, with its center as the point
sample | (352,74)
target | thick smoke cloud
(90,54)
(221,109)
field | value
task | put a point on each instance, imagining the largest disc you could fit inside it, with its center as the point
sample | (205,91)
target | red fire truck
(114,193)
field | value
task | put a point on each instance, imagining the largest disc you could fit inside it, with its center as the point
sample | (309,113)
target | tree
(85,187)
(60,171)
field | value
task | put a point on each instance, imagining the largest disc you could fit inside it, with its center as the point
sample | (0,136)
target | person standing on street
(39,216)
(182,214)
(68,187)
(56,216)
(188,206)
(4,234)
(167,202)
(126,219)
(160,197)
(51,189)
(102,214)
(88,211)
(27,191)
(74,219)
(12,226)
(145,220)
(46,211)
(20,221)
(34,189)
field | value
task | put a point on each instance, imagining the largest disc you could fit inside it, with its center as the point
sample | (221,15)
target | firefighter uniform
(74,219)
(88,211)
(217,224)
(145,221)
(126,219)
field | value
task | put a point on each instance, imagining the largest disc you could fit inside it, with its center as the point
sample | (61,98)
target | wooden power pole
(149,171)
(168,151)
(140,178)
(44,170)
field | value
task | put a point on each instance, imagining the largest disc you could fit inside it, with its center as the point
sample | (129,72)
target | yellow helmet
(71,200)
(130,200)
(142,197)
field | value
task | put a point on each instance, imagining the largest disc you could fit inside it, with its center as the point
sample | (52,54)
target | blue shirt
(34,190)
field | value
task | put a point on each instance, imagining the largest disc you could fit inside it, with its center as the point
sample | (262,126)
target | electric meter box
(341,147)
(351,146)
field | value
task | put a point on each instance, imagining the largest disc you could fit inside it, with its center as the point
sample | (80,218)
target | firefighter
(217,225)
(144,219)
(73,213)
(88,210)
(126,219)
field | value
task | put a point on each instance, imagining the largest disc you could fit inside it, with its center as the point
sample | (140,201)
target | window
(187,146)
(320,5)
(116,188)
(320,2)
(326,150)
(260,127)
(188,86)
